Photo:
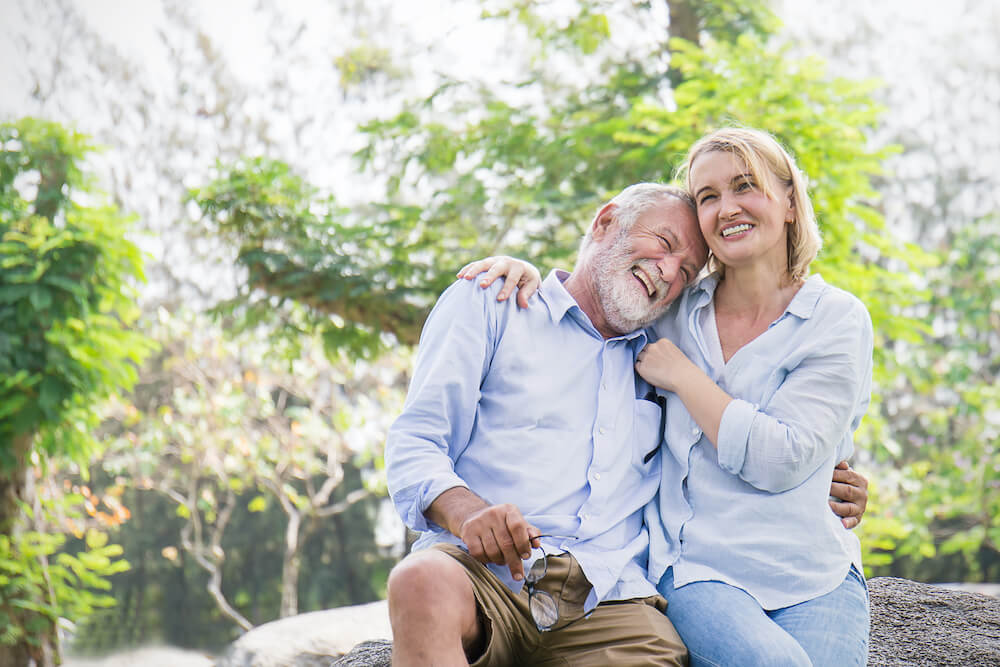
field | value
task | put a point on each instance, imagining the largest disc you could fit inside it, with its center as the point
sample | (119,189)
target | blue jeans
(723,625)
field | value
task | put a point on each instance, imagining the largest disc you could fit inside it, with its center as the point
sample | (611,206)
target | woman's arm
(517,273)
(816,405)
(663,365)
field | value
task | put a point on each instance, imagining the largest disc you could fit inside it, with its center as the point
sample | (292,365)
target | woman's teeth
(736,229)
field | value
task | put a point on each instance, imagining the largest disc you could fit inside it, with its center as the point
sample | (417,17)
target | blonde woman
(766,372)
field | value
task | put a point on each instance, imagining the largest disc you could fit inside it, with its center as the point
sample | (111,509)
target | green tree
(934,473)
(470,172)
(479,167)
(67,279)
(945,505)
(224,429)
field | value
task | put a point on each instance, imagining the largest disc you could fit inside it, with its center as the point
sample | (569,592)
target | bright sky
(239,31)
(910,42)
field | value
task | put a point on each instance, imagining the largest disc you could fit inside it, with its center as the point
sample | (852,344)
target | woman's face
(741,224)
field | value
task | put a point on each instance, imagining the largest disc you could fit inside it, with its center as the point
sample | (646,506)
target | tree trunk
(15,656)
(684,20)
(290,567)
(12,484)
(13,490)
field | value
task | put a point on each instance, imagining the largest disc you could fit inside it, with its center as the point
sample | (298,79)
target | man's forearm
(492,533)
(453,507)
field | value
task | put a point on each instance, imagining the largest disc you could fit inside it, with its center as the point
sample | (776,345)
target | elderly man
(528,445)
(526,442)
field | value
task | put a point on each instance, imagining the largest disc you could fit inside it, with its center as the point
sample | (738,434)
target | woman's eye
(705,198)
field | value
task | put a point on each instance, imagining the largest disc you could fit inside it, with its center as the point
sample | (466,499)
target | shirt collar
(803,304)
(555,296)
(559,302)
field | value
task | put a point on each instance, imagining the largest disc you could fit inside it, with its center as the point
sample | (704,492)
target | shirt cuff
(425,495)
(734,434)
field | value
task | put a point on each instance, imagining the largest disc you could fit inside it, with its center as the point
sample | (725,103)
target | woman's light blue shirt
(754,513)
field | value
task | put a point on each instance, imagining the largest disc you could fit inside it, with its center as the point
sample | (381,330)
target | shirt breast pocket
(647,432)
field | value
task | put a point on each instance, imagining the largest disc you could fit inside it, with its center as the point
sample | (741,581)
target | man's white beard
(625,307)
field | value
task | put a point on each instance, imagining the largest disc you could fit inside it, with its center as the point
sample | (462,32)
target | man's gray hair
(636,199)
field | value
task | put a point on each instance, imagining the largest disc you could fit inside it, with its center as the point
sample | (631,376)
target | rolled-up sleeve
(817,402)
(734,434)
(440,409)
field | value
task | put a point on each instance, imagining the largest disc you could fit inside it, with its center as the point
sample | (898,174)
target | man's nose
(669,267)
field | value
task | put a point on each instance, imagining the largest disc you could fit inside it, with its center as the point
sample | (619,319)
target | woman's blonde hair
(759,151)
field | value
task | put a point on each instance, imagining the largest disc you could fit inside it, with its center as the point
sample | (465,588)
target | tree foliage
(472,171)
(42,583)
(67,280)
(222,428)
(944,501)
(67,291)
(476,168)
(595,95)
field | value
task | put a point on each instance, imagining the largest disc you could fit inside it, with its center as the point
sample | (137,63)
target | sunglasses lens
(544,611)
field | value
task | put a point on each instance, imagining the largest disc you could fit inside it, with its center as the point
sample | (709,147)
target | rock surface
(912,624)
(921,624)
(373,652)
(308,640)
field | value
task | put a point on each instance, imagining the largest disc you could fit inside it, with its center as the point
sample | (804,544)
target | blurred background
(224,222)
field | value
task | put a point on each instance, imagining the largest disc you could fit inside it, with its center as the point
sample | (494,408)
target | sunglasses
(543,607)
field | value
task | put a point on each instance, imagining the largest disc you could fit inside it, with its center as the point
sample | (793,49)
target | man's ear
(603,221)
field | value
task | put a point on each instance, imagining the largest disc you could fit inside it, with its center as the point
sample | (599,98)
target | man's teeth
(650,289)
(736,229)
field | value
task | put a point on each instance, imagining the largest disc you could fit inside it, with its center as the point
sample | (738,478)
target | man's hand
(852,488)
(492,533)
(499,534)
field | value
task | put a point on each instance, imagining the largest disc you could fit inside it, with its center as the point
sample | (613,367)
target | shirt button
(602,430)
(586,517)
(597,475)
(696,431)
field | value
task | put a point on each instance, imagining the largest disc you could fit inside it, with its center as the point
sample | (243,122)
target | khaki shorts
(630,632)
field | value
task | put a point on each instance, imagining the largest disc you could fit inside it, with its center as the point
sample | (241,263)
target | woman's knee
(757,651)
(775,649)
(723,625)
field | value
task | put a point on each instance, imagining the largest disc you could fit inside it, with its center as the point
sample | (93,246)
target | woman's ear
(790,213)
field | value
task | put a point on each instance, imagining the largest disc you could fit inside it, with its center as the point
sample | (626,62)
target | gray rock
(921,624)
(377,652)
(308,640)
(912,624)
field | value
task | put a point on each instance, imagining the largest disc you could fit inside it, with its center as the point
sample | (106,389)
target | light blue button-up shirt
(754,514)
(537,409)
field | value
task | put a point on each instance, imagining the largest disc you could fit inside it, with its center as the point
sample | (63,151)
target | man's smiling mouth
(645,280)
